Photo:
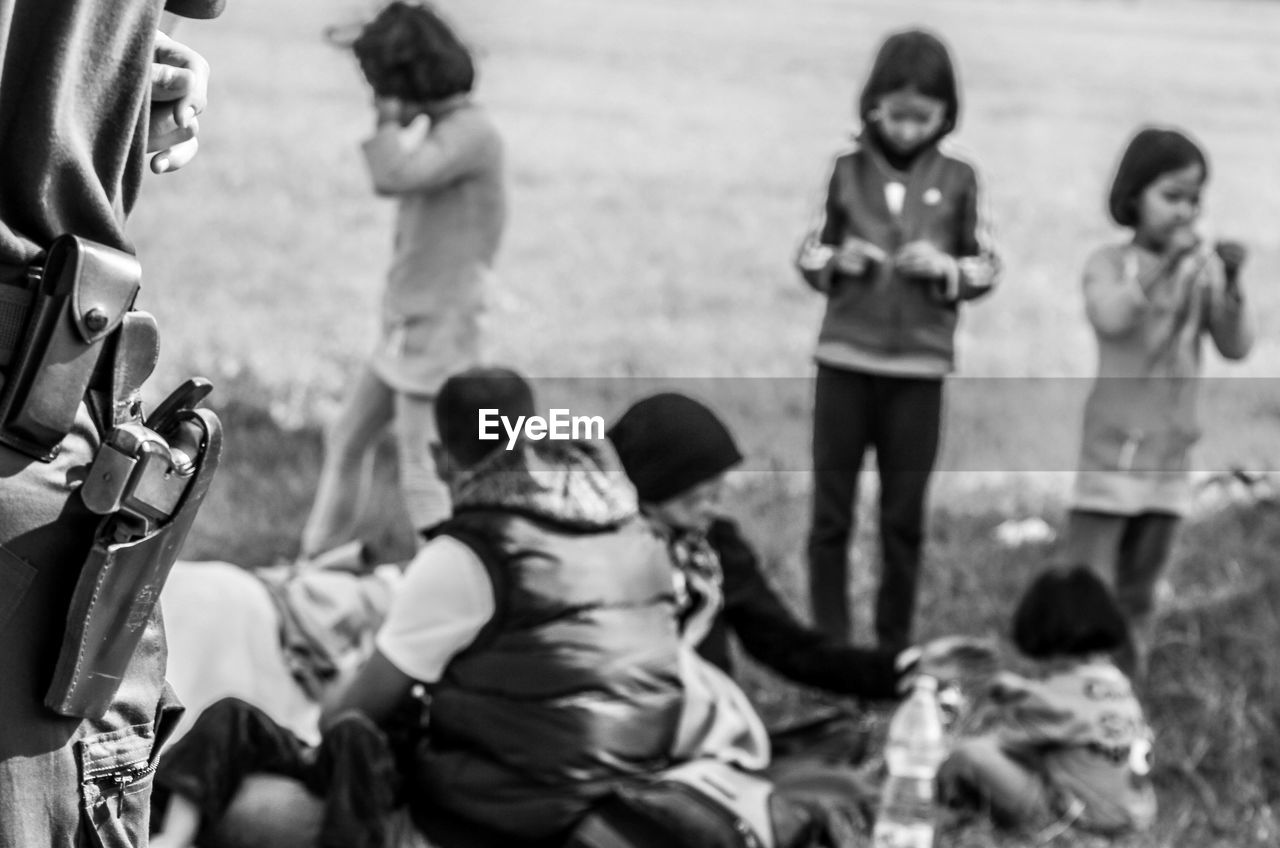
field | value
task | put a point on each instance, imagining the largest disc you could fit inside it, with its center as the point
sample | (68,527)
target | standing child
(437,152)
(899,245)
(1070,745)
(1151,301)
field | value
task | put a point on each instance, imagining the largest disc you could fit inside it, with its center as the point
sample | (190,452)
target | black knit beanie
(669,443)
(1152,152)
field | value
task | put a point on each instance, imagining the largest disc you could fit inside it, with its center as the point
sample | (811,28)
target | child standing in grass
(436,151)
(1070,745)
(1151,301)
(899,245)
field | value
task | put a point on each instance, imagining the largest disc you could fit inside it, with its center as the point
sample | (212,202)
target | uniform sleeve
(1228,317)
(441,605)
(1114,299)
(425,157)
(196,9)
(978,264)
(773,636)
(817,253)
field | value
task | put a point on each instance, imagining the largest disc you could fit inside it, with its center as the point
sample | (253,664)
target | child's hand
(856,256)
(388,110)
(966,660)
(1181,242)
(922,259)
(1005,686)
(1233,255)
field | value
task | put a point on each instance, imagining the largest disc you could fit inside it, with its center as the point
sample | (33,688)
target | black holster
(120,581)
(81,342)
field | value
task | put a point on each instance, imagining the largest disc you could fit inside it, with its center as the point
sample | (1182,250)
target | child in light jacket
(1152,301)
(899,245)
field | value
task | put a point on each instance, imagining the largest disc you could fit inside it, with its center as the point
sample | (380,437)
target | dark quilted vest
(573,685)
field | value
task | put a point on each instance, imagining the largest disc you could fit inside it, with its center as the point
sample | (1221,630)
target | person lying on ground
(280,638)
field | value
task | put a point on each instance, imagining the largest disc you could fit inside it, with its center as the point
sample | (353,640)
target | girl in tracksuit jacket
(899,246)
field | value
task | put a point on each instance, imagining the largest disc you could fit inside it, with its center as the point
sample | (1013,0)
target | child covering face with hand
(436,151)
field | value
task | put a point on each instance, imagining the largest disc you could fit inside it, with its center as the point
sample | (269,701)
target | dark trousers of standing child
(901,417)
(352,769)
(1132,551)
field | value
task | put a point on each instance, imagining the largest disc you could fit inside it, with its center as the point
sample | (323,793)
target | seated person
(541,617)
(1069,745)
(677,452)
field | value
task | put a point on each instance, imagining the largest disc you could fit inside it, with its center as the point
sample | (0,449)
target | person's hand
(921,259)
(706,598)
(1181,242)
(179,94)
(1233,254)
(963,660)
(1005,686)
(398,112)
(388,110)
(856,256)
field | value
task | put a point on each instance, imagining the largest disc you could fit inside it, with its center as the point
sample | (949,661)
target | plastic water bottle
(915,749)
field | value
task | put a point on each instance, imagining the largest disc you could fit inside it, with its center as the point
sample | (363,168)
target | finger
(180,90)
(175,157)
(167,51)
(170,123)
(165,133)
(874,252)
(170,84)
(179,73)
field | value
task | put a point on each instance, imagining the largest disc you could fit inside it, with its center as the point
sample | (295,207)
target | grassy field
(664,158)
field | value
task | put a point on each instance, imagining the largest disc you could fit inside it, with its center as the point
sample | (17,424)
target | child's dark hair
(1152,152)
(458,405)
(408,51)
(1068,611)
(917,60)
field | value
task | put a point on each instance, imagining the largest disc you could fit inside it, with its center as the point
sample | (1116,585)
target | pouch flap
(103,281)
